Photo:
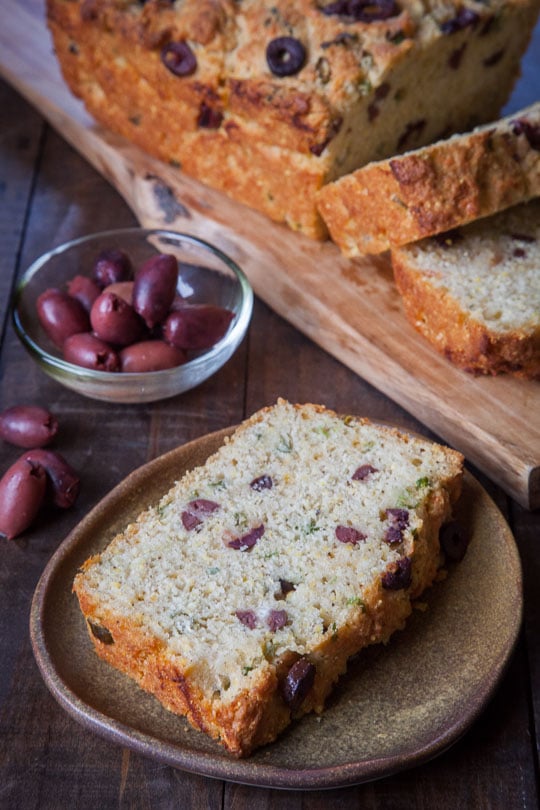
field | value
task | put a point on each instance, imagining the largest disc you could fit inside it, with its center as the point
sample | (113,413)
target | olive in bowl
(133,315)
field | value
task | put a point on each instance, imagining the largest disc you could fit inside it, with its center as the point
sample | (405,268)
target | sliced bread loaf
(267,101)
(474,293)
(434,189)
(238,599)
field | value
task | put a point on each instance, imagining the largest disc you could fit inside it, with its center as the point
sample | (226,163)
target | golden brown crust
(260,713)
(235,125)
(463,340)
(434,189)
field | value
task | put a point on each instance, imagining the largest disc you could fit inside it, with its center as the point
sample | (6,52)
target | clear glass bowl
(206,276)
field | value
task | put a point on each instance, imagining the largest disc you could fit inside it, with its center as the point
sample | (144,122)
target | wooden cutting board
(350,308)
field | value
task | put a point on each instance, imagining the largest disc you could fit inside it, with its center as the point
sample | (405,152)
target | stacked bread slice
(463,227)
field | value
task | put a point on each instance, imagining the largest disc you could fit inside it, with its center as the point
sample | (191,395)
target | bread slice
(238,598)
(474,293)
(434,189)
(267,101)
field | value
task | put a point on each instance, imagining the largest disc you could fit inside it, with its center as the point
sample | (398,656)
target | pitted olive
(61,315)
(22,491)
(151,355)
(89,351)
(28,426)
(115,321)
(155,288)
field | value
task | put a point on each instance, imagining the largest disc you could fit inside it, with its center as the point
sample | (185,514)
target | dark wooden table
(48,194)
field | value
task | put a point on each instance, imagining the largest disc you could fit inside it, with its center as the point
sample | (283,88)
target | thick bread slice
(431,190)
(475,293)
(238,599)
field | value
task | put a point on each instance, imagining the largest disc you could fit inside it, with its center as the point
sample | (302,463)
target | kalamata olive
(28,426)
(22,491)
(112,266)
(398,575)
(285,56)
(348,534)
(196,326)
(454,540)
(151,355)
(366,11)
(464,18)
(262,482)
(115,321)
(247,540)
(61,315)
(179,58)
(88,351)
(123,289)
(277,619)
(298,683)
(364,471)
(209,117)
(63,483)
(247,617)
(155,288)
(84,290)
(197,511)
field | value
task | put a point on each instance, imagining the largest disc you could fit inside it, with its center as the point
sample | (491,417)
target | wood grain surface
(350,308)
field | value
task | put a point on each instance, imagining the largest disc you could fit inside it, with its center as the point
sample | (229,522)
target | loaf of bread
(474,293)
(238,599)
(436,188)
(268,101)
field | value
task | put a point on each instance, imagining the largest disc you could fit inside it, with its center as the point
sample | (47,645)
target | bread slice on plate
(436,188)
(474,293)
(239,597)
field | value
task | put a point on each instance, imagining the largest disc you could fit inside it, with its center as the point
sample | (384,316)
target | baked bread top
(436,188)
(475,292)
(304,537)
(269,101)
(329,55)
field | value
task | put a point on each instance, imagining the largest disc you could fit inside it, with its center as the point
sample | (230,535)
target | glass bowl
(206,275)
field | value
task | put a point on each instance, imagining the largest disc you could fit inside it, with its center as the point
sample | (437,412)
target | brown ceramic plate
(398,706)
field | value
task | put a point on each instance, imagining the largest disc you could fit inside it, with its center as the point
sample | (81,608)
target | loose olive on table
(63,483)
(22,492)
(37,478)
(28,426)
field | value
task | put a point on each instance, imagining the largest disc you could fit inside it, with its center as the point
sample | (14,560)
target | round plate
(399,704)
